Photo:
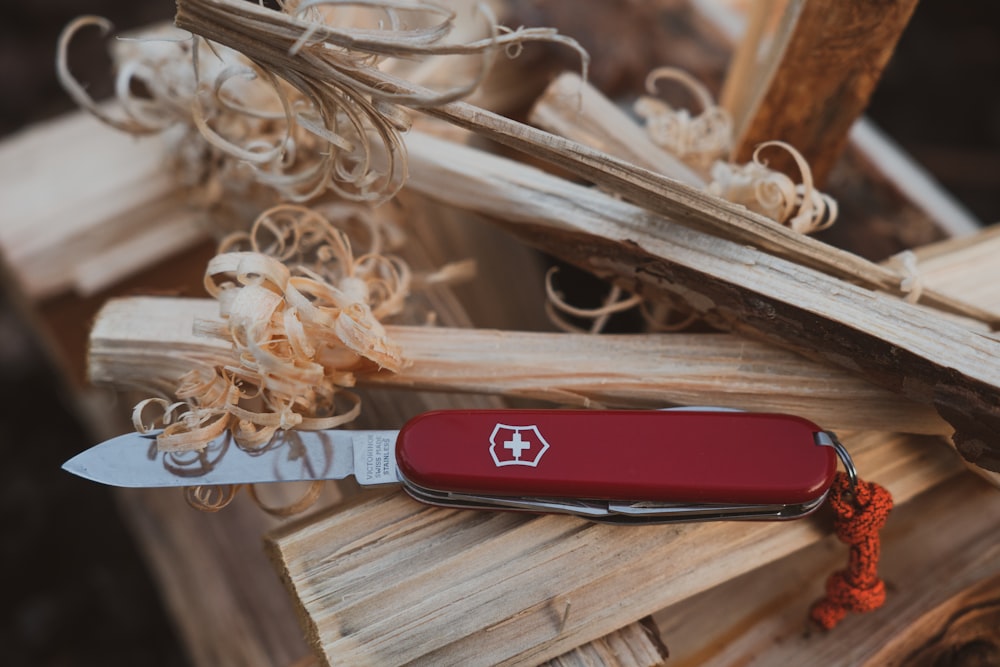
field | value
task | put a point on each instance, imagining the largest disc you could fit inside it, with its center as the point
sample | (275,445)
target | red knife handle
(665,456)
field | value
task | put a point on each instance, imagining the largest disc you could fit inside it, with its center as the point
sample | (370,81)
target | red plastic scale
(676,457)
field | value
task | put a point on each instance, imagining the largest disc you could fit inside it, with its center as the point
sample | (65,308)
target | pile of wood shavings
(304,313)
(239,122)
(702,142)
(696,139)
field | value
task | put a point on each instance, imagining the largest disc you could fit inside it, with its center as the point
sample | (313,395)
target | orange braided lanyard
(861,510)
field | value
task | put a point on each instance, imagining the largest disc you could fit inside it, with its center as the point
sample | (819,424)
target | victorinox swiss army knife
(618,466)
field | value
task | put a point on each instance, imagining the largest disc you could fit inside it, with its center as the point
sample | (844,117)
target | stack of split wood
(385,135)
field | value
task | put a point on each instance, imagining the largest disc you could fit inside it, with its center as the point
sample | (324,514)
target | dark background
(75,591)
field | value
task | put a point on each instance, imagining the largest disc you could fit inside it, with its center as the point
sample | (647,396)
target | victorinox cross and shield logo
(517,445)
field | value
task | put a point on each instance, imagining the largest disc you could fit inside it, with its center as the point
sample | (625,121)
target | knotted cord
(861,511)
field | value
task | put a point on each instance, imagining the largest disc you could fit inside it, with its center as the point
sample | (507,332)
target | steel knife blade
(133,460)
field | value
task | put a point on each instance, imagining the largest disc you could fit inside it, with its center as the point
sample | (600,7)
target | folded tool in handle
(620,466)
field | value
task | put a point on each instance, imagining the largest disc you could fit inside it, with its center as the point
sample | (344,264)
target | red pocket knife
(619,466)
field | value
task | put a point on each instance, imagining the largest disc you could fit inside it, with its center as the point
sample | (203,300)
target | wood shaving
(701,141)
(666,316)
(658,316)
(556,306)
(303,312)
(211,498)
(772,193)
(913,282)
(245,120)
(698,140)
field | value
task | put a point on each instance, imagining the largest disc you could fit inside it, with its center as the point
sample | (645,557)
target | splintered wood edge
(635,645)
(574,109)
(272,549)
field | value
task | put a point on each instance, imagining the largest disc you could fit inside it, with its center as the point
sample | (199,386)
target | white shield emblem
(517,445)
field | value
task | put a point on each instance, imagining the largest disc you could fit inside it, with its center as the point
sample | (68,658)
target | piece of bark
(826,73)
(902,347)
(933,548)
(253,30)
(371,577)
(147,343)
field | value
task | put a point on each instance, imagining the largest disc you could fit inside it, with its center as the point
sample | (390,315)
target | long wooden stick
(146,342)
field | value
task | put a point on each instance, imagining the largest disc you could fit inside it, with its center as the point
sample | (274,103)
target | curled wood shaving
(695,139)
(302,311)
(658,317)
(248,118)
(913,282)
(772,193)
(700,140)
(556,306)
(211,498)
(304,502)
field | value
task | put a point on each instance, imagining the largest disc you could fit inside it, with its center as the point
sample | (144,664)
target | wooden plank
(509,576)
(900,346)
(112,218)
(940,264)
(833,59)
(147,343)
(934,548)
